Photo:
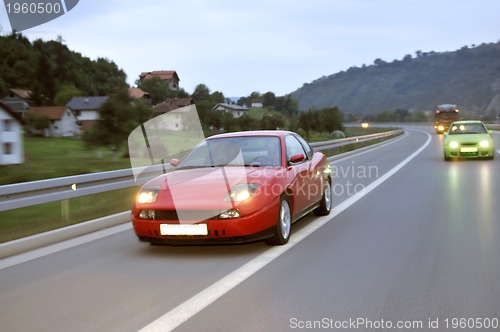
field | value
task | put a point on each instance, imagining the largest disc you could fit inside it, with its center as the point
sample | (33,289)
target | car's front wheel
(284,224)
(325,205)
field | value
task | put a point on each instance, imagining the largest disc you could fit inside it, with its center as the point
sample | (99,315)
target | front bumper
(467,152)
(254,227)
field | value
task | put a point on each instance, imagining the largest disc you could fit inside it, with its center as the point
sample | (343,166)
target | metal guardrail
(493,126)
(25,194)
(352,140)
(18,195)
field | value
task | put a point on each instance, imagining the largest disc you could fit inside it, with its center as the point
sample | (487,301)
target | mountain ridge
(468,77)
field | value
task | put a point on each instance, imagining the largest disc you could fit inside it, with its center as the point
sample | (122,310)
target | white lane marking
(180,314)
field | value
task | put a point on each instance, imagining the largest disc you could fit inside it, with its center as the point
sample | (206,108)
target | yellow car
(468,139)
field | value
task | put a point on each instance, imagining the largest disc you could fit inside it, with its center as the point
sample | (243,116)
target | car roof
(275,133)
(468,122)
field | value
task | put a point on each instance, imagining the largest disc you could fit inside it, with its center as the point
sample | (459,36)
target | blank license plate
(182,229)
(468,150)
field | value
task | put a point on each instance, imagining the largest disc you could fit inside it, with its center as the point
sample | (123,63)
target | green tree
(157,88)
(269,99)
(118,116)
(217,97)
(306,122)
(45,67)
(331,119)
(385,116)
(201,93)
(36,124)
(272,122)
(228,121)
(245,122)
(66,93)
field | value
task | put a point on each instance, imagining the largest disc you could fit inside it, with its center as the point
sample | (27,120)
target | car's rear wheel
(283,225)
(325,205)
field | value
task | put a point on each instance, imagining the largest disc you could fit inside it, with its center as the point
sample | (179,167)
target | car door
(316,171)
(300,173)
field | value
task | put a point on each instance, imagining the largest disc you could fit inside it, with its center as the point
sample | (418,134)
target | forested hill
(469,77)
(49,67)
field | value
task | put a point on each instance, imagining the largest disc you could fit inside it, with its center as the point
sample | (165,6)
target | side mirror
(174,162)
(297,158)
(490,132)
(445,133)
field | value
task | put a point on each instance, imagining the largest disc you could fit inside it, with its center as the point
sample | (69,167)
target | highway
(413,243)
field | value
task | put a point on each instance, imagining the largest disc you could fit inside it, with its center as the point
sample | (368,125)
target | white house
(63,121)
(168,76)
(174,112)
(85,109)
(256,103)
(11,136)
(17,100)
(235,110)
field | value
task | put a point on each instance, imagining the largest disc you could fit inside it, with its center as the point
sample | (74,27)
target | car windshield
(467,128)
(235,151)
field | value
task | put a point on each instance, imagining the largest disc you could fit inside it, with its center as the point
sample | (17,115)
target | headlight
(229,214)
(328,169)
(148,195)
(440,128)
(484,144)
(454,145)
(241,192)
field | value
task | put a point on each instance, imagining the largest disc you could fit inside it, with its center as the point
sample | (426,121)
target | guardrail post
(65,210)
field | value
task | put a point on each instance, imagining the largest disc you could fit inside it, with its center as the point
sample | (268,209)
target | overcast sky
(238,47)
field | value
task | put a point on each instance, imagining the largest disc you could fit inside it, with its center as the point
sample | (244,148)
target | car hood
(205,188)
(468,138)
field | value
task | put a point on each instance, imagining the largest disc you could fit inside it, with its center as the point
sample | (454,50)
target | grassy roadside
(47,158)
(18,223)
(55,157)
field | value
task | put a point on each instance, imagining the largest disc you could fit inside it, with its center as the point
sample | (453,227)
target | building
(11,136)
(235,110)
(18,101)
(139,94)
(172,112)
(85,109)
(169,76)
(256,103)
(63,122)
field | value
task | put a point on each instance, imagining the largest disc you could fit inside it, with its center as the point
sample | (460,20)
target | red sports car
(235,188)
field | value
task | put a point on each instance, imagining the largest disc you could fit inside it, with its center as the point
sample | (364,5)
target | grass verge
(18,223)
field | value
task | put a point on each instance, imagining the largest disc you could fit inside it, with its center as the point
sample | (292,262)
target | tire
(446,158)
(283,224)
(325,205)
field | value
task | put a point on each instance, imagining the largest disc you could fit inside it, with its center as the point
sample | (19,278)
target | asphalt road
(413,241)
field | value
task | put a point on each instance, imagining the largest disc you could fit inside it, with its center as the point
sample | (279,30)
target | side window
(293,147)
(306,146)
